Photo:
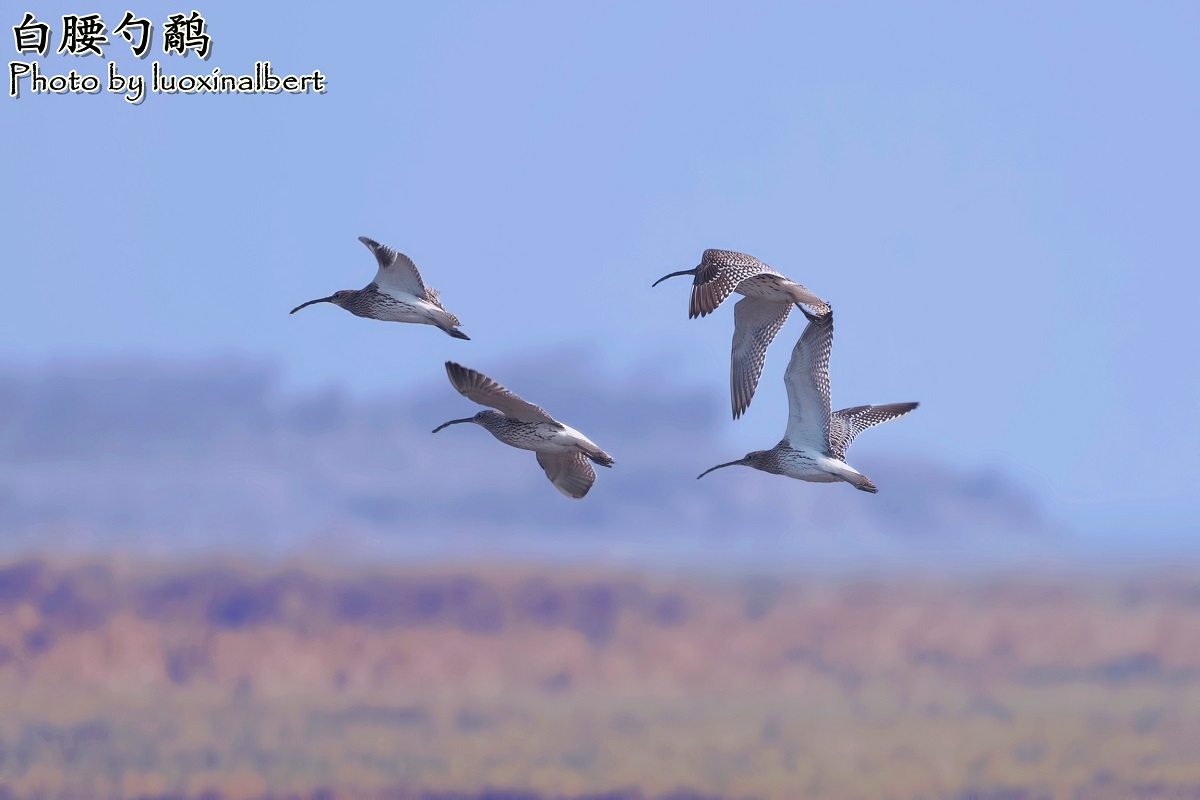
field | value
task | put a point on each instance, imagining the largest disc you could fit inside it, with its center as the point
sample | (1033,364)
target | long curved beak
(453,422)
(718,466)
(310,302)
(672,275)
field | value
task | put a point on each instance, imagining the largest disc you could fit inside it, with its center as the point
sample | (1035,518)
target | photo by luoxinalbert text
(85,37)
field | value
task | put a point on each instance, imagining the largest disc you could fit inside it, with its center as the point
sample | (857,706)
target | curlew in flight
(769,297)
(562,451)
(814,445)
(397,294)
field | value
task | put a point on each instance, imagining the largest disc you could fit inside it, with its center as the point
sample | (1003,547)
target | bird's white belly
(404,316)
(822,469)
(403,312)
(809,471)
(575,438)
(816,477)
(815,467)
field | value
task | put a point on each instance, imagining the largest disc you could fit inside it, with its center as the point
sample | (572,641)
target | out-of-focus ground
(220,681)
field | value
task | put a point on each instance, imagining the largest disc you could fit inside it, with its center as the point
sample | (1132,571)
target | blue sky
(1000,204)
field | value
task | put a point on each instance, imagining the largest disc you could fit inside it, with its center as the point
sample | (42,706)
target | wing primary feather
(483,390)
(807,383)
(847,423)
(571,473)
(397,273)
(755,324)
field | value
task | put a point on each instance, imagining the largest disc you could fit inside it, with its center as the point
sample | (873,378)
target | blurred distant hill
(212,456)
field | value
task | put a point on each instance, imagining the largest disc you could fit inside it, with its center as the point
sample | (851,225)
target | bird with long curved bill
(814,445)
(562,451)
(768,299)
(397,294)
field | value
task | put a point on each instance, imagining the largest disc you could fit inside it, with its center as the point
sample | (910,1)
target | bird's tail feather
(598,456)
(861,482)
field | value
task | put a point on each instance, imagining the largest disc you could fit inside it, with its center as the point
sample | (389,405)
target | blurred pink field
(120,680)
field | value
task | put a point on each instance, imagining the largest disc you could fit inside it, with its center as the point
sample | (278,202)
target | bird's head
(487,418)
(337,298)
(758,459)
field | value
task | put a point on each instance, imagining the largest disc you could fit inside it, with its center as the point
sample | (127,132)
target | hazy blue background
(1000,204)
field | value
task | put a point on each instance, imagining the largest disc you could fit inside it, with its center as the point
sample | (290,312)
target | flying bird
(397,294)
(769,297)
(562,451)
(814,445)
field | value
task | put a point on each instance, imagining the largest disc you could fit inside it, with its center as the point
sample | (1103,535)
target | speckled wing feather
(755,323)
(397,271)
(483,390)
(807,382)
(847,423)
(570,473)
(717,277)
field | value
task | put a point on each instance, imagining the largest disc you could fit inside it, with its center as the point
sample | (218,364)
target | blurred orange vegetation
(219,681)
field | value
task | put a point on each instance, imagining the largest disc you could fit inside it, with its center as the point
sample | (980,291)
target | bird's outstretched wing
(755,323)
(718,275)
(847,423)
(570,473)
(807,382)
(398,272)
(483,390)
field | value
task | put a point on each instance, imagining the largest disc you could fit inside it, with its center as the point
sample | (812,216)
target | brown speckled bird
(769,297)
(813,447)
(562,451)
(397,294)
